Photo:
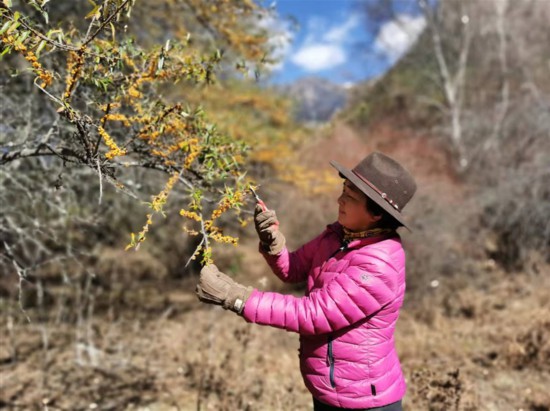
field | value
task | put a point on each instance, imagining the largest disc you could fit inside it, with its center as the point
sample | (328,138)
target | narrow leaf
(113,31)
(5,51)
(23,37)
(40,47)
(93,13)
(13,27)
(5,27)
(35,5)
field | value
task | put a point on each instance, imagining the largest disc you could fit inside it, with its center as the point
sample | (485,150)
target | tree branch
(107,21)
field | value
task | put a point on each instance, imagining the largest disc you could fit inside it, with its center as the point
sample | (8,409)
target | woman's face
(352,209)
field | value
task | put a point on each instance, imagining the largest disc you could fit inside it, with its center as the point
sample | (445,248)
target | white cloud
(280,38)
(396,36)
(324,45)
(318,57)
(339,34)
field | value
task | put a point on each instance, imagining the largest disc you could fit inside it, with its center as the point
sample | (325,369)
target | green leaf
(50,33)
(13,27)
(35,5)
(23,37)
(113,31)
(93,13)
(5,51)
(5,27)
(40,47)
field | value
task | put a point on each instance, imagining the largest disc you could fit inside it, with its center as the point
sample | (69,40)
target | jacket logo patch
(365,277)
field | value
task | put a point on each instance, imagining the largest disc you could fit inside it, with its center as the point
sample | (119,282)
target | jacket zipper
(343,247)
(331,362)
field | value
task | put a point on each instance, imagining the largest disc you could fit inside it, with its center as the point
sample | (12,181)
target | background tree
(475,80)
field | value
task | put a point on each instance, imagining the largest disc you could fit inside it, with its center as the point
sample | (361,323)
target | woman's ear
(376,218)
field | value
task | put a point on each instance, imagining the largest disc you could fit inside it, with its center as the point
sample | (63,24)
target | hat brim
(369,192)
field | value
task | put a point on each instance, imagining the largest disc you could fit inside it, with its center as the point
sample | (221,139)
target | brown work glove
(215,287)
(271,239)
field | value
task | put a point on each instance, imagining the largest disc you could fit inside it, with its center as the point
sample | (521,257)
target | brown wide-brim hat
(384,181)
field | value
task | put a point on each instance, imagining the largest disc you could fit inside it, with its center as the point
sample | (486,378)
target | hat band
(382,194)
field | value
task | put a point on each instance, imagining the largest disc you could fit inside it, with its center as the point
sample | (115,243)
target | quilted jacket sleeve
(293,267)
(349,297)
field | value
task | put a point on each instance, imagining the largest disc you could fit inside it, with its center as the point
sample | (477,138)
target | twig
(22,277)
(40,35)
(194,253)
(90,27)
(88,40)
(55,99)
(100,181)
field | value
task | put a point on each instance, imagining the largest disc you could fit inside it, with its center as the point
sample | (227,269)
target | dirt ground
(160,349)
(475,339)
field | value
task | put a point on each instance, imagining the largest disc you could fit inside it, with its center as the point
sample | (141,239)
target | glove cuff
(237,298)
(274,247)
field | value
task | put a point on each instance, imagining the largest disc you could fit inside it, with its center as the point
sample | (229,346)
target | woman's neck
(371,232)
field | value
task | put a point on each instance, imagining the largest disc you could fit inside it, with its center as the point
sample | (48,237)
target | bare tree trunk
(502,108)
(453,84)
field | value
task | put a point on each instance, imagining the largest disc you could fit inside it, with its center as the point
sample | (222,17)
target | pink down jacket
(346,319)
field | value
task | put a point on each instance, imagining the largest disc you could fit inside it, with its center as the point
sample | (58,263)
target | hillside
(317,99)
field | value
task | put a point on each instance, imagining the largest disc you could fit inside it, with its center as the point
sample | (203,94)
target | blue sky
(333,40)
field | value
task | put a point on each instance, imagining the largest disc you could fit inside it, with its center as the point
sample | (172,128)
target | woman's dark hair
(387,221)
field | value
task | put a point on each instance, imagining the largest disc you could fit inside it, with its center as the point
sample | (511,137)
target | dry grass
(461,348)
(475,340)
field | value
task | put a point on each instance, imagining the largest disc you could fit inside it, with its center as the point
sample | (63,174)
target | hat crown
(390,178)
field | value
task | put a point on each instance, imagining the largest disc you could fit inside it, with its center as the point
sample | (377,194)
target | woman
(355,273)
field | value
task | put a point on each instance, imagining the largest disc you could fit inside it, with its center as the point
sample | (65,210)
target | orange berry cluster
(44,75)
(115,151)
(190,214)
(160,199)
(74,67)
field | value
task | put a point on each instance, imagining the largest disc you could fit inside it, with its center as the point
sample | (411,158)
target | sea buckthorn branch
(110,100)
(9,14)
(11,38)
(156,206)
(12,16)
(74,67)
(231,199)
(116,13)
(204,244)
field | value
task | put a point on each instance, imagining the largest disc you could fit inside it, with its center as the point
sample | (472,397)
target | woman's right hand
(267,227)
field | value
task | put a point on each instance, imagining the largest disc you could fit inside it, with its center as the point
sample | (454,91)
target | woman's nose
(340,199)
